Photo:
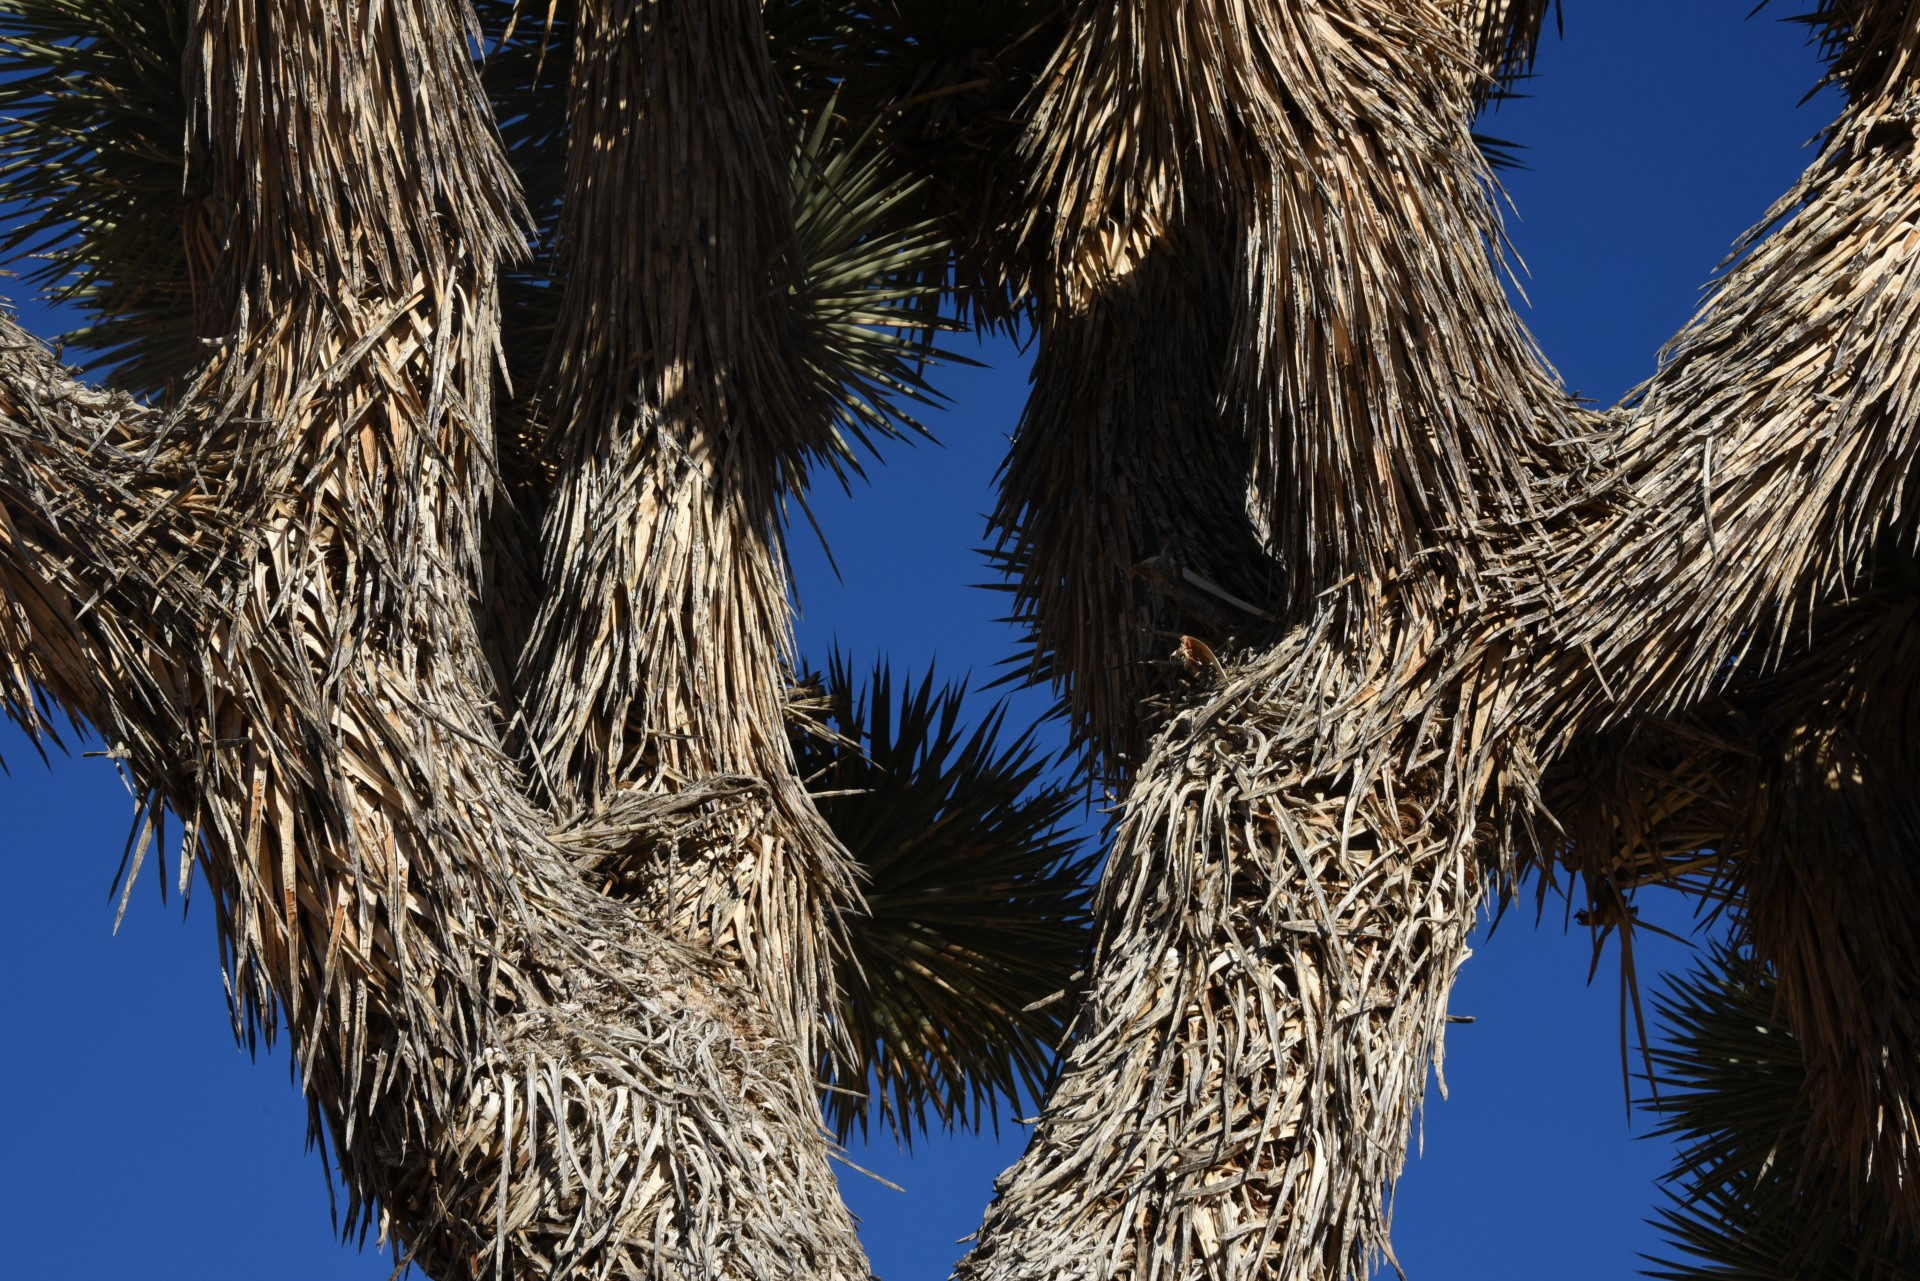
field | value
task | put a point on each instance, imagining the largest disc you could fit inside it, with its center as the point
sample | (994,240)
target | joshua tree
(435,582)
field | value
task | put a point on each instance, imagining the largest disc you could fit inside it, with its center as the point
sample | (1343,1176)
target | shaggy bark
(1281,920)
(265,600)
(681,408)
(1301,856)
(1302,852)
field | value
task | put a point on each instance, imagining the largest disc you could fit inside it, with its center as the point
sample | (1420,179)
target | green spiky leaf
(941,84)
(870,298)
(92,126)
(1751,1196)
(978,904)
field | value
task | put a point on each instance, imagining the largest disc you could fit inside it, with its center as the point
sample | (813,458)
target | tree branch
(1301,856)
(681,412)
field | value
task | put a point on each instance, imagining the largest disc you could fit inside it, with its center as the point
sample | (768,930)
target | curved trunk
(1282,918)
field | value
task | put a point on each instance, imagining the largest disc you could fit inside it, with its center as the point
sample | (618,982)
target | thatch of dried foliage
(659,655)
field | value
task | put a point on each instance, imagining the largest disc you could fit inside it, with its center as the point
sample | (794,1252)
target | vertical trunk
(1302,852)
(1281,921)
(681,413)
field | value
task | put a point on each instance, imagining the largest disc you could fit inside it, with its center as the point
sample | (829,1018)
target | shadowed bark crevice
(1157,542)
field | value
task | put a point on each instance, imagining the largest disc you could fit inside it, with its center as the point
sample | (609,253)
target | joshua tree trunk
(267,598)
(1480,577)
(1408,574)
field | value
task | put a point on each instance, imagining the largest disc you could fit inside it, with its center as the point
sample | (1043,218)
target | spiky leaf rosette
(1750,1197)
(92,120)
(869,299)
(977,903)
(942,83)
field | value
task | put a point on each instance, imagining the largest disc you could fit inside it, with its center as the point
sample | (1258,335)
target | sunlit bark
(1483,576)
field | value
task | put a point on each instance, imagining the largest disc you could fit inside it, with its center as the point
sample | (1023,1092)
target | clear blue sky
(140,1142)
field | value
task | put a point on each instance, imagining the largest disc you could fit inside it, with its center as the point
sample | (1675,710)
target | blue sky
(141,1141)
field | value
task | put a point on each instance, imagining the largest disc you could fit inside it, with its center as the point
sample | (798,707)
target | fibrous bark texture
(1301,854)
(266,601)
(1157,543)
(681,412)
(1481,579)
(1279,216)
(1282,916)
